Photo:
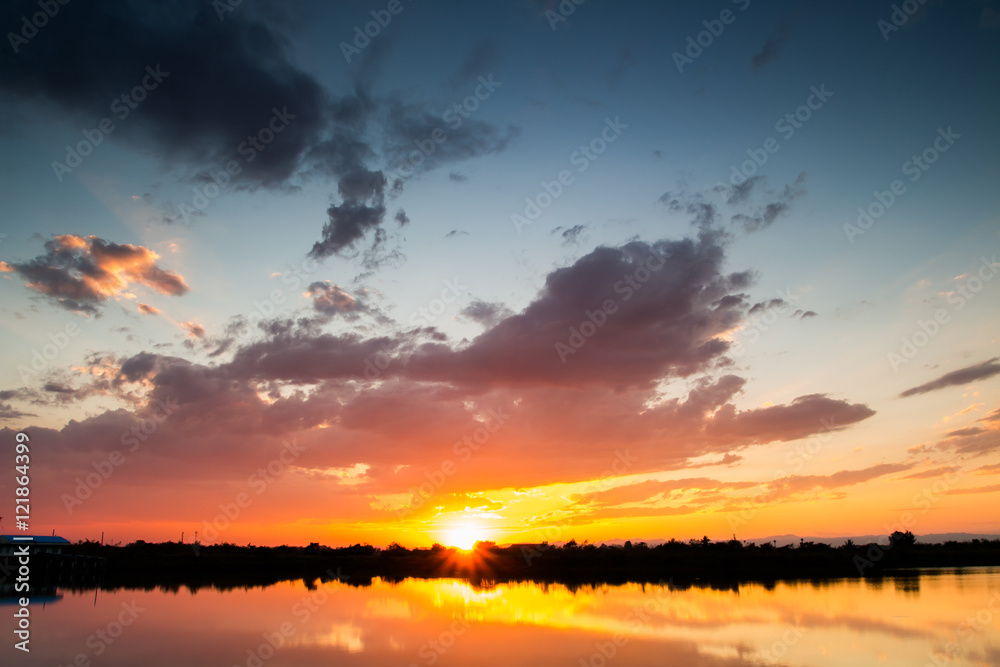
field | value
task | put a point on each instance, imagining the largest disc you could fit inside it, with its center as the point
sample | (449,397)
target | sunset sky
(500,270)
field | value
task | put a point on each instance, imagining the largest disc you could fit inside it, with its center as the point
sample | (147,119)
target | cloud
(457,177)
(738,194)
(763,306)
(332,300)
(398,403)
(960,377)
(484,312)
(194,330)
(232,96)
(146,309)
(80,274)
(931,473)
(570,236)
(670,324)
(254,92)
(455,232)
(362,209)
(773,46)
(765,215)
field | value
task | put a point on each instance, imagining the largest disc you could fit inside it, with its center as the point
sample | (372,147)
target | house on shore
(38,544)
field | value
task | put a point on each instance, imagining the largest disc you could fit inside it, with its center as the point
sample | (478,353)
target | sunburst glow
(464,536)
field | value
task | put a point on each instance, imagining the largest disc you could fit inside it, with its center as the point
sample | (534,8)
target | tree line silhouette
(173,564)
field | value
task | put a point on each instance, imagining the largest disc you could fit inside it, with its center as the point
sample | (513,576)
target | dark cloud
(362,209)
(230,90)
(402,218)
(80,274)
(457,177)
(765,215)
(408,125)
(570,236)
(456,232)
(773,46)
(960,377)
(228,75)
(667,325)
(762,306)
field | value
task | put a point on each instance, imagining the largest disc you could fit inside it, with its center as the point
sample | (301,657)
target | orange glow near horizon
(464,536)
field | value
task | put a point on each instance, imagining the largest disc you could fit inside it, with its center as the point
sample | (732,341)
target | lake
(909,620)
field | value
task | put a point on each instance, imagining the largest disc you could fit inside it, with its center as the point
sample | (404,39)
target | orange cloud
(82,273)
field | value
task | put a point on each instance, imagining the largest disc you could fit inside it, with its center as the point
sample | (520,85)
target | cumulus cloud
(400,402)
(960,377)
(146,309)
(668,320)
(80,274)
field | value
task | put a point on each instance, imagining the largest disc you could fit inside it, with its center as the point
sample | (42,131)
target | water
(899,621)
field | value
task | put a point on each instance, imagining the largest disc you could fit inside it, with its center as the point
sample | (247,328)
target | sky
(525,270)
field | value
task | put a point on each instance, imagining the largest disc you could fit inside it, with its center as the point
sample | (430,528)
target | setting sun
(464,537)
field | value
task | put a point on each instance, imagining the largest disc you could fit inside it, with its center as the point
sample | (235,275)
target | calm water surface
(950,617)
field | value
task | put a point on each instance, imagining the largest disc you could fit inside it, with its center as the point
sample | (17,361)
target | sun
(464,537)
